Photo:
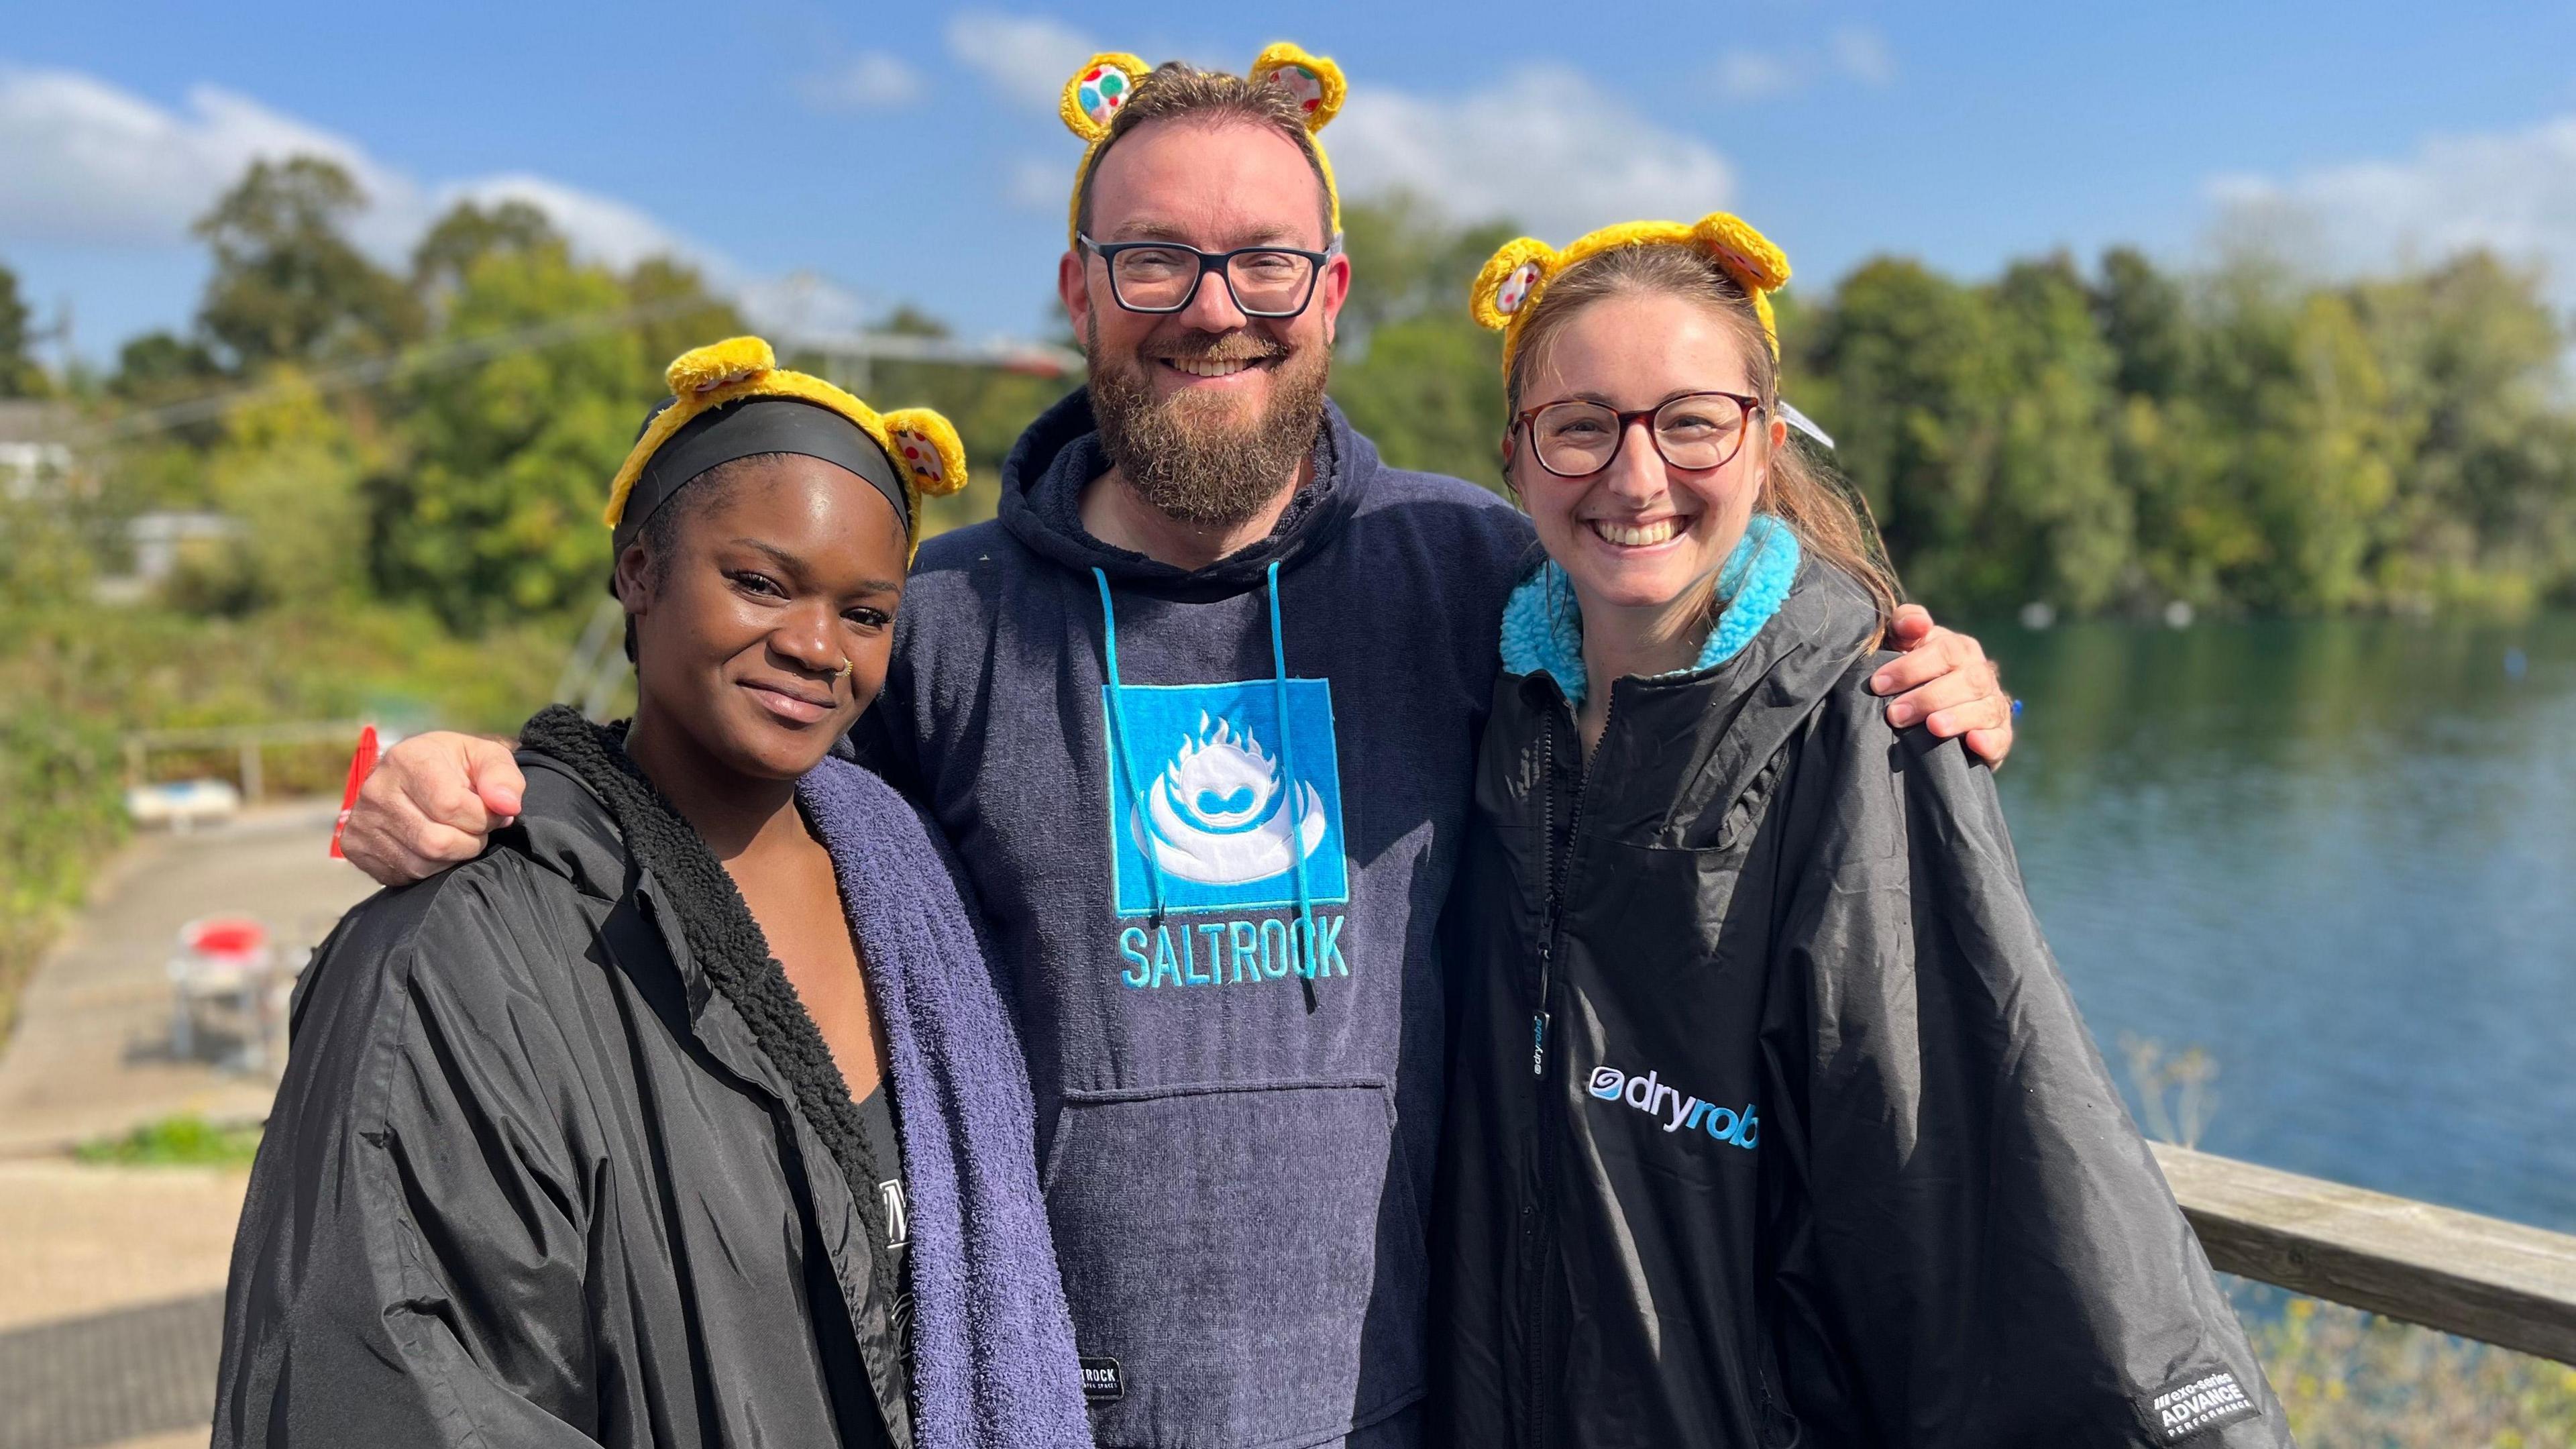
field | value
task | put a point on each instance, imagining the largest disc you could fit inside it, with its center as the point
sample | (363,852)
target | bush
(59,811)
(2354,1380)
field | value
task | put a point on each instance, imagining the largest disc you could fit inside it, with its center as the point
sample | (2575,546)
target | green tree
(2141,314)
(496,515)
(2059,526)
(1413,371)
(20,375)
(467,234)
(160,367)
(674,311)
(1916,374)
(287,472)
(2485,511)
(1429,393)
(288,285)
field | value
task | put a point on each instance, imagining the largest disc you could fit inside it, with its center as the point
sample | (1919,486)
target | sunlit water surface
(2341,858)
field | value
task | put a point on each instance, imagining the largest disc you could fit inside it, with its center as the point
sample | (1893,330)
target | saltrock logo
(1231,797)
(1221,813)
(1675,1110)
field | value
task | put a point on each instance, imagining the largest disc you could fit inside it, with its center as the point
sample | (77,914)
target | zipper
(1539,1217)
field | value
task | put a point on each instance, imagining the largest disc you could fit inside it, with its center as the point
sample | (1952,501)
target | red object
(227,936)
(361,765)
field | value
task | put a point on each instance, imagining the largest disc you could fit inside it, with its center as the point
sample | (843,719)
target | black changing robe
(531,1181)
(1772,1121)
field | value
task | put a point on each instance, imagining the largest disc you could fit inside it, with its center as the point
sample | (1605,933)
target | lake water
(2340,857)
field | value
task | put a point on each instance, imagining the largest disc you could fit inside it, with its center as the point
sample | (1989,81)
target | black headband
(743,429)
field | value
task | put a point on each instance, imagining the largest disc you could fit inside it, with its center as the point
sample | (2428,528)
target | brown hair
(1830,519)
(1175,90)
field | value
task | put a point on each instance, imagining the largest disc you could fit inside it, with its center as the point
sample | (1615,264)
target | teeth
(1207,367)
(1655,532)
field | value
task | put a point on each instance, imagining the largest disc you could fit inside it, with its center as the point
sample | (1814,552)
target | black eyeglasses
(1696,431)
(1162,277)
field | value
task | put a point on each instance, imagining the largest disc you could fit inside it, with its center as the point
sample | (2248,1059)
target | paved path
(111,1278)
(111,1284)
(91,1053)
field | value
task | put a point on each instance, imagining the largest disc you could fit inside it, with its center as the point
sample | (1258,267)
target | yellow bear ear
(1313,79)
(1747,255)
(1097,90)
(704,369)
(927,449)
(1510,280)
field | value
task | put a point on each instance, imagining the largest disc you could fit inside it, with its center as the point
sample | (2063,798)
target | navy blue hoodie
(1218,934)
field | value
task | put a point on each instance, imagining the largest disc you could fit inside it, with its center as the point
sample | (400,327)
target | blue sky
(912,154)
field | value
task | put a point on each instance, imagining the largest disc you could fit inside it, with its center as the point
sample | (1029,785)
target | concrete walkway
(91,1054)
(111,1278)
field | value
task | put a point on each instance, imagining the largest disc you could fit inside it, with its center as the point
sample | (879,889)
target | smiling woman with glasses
(1161,276)
(1771,1120)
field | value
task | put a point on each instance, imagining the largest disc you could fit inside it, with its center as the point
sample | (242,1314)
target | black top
(526,1179)
(885,1146)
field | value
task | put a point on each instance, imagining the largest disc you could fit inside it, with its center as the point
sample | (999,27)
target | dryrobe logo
(1674,1110)
(1228,799)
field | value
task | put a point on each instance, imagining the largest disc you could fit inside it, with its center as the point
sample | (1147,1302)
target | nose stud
(847,664)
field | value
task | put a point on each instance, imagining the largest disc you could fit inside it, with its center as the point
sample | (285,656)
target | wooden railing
(2478,1277)
(246,742)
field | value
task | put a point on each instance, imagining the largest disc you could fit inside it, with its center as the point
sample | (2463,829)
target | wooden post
(2497,1282)
(250,780)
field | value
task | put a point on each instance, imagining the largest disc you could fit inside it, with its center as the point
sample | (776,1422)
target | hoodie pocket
(1251,1255)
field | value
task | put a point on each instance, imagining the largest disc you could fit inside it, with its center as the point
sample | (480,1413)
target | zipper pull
(1538,1045)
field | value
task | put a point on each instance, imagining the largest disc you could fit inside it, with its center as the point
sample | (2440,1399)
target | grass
(183,1141)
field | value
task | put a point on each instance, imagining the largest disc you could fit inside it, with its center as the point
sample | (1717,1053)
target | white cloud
(2513,192)
(1027,58)
(1863,54)
(870,81)
(1035,185)
(90,164)
(1754,75)
(1853,52)
(801,304)
(1546,147)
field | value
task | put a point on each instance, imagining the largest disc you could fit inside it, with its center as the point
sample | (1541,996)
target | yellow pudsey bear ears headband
(1105,82)
(1508,289)
(920,450)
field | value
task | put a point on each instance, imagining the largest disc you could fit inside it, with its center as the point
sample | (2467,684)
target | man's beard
(1188,457)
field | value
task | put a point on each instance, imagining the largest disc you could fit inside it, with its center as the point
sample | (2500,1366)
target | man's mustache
(1200,346)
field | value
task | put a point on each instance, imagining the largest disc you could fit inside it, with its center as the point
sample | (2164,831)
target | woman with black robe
(1772,1121)
(655,1124)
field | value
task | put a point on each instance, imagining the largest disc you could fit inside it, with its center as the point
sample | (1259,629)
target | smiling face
(1206,410)
(1641,534)
(787,567)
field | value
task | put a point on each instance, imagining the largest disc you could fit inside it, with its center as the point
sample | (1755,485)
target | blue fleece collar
(1543,626)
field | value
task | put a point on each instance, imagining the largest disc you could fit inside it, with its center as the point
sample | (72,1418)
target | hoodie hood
(1060,453)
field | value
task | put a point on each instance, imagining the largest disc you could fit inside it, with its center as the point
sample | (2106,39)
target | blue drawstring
(1296,790)
(1118,742)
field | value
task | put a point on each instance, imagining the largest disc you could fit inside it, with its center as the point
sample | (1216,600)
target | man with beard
(1198,712)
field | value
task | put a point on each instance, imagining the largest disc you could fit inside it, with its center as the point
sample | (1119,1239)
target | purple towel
(992,1343)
